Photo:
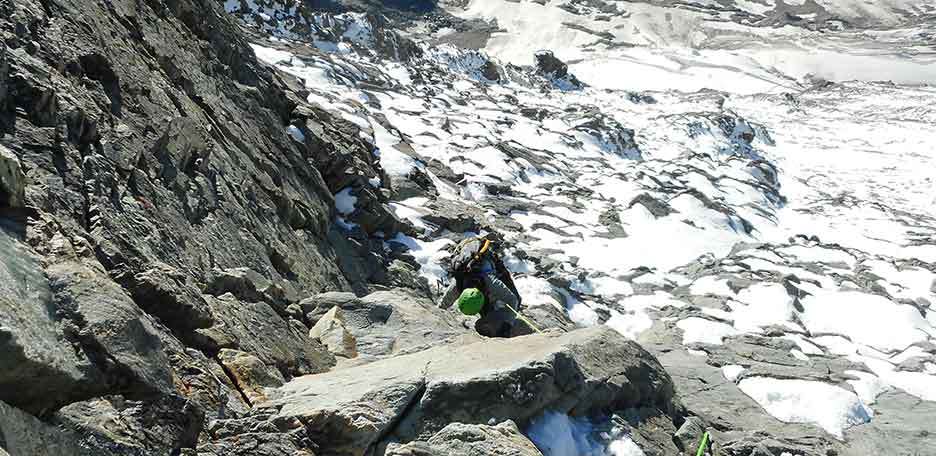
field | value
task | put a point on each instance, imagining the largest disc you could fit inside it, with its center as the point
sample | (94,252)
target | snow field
(800,401)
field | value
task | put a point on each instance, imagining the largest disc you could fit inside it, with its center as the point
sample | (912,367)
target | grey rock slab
(22,434)
(12,180)
(459,439)
(250,374)
(414,396)
(383,323)
(255,328)
(740,422)
(116,425)
(902,425)
(40,368)
(122,341)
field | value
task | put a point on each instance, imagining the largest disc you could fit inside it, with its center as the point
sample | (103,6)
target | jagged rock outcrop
(145,163)
(458,439)
(414,397)
(12,179)
(556,71)
(382,324)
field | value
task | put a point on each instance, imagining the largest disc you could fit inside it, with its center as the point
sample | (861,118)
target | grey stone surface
(255,328)
(412,397)
(458,439)
(251,376)
(22,434)
(38,373)
(383,323)
(117,425)
(12,180)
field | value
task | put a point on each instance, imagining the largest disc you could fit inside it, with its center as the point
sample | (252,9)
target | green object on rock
(471,301)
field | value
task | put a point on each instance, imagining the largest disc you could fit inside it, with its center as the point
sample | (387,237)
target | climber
(482,284)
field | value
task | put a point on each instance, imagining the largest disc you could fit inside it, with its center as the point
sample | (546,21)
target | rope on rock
(524,319)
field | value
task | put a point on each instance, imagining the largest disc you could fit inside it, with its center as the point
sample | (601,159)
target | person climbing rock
(483,285)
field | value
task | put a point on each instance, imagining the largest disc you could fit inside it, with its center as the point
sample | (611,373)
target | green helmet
(471,301)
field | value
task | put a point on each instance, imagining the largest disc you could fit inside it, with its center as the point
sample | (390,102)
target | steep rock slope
(753,242)
(155,211)
(203,215)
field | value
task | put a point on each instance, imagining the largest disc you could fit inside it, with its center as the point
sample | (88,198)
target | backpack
(469,254)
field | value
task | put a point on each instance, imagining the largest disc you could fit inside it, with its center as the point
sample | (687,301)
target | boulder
(459,439)
(251,375)
(122,341)
(12,180)
(23,434)
(164,292)
(255,328)
(549,66)
(116,425)
(383,323)
(413,397)
(256,436)
(40,369)
(248,285)
(331,331)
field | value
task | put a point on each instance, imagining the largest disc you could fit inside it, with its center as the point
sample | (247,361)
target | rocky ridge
(210,219)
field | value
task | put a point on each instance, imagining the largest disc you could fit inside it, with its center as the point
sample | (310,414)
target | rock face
(459,439)
(156,221)
(549,66)
(413,397)
(12,180)
(256,328)
(381,324)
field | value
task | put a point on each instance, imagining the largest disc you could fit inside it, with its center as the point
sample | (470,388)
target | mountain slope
(224,225)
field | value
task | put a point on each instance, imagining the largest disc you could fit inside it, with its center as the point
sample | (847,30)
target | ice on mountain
(799,355)
(296,133)
(866,385)
(538,292)
(429,255)
(919,384)
(629,324)
(604,285)
(558,434)
(270,55)
(802,401)
(765,304)
(345,201)
(804,345)
(711,285)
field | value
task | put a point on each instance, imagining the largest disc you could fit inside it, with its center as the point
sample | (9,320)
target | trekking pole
(524,319)
(703,442)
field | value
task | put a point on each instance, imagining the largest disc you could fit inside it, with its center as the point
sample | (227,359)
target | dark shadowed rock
(555,70)
(119,426)
(655,206)
(23,434)
(169,295)
(248,285)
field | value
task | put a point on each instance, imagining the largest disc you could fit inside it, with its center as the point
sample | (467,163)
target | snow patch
(802,401)
(345,201)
